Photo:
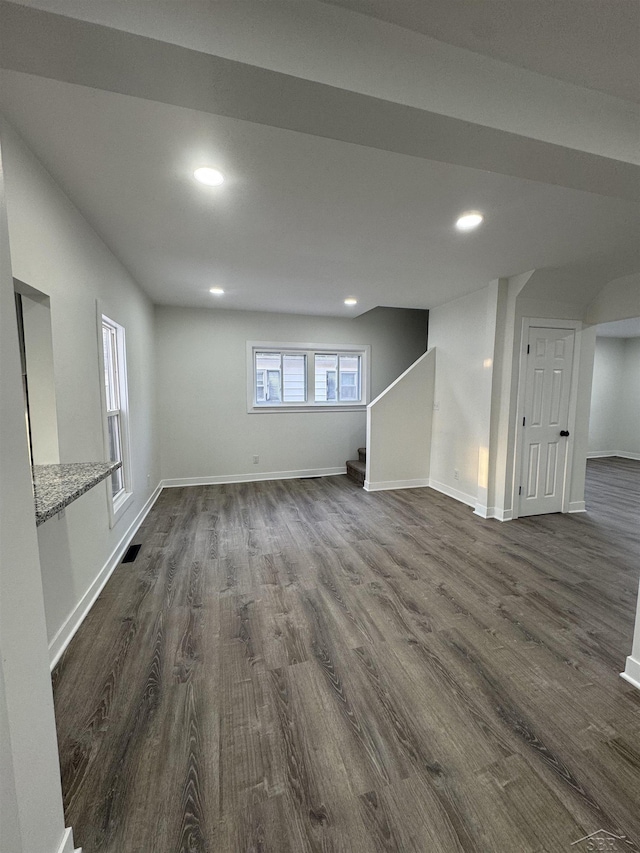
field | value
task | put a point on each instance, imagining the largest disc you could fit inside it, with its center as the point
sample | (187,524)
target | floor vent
(132,553)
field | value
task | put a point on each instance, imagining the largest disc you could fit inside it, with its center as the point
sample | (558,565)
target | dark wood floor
(302,666)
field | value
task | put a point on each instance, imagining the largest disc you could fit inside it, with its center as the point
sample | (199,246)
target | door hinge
(528,348)
(523,421)
(520,490)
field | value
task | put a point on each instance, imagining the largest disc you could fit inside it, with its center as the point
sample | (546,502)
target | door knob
(564,432)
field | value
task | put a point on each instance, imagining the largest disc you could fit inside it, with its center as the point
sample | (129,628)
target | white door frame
(545,323)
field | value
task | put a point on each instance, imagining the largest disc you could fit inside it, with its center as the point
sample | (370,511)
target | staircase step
(356,470)
(362,454)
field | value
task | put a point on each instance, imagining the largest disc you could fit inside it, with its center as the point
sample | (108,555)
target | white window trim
(363,350)
(119,505)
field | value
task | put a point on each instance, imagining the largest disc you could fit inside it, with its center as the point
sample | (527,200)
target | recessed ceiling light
(217,291)
(210,177)
(470,220)
(351,301)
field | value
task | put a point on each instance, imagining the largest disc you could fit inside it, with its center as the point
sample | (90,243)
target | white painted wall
(615,401)
(463,387)
(9,816)
(45,444)
(606,397)
(205,430)
(31,815)
(629,434)
(399,429)
(504,395)
(55,250)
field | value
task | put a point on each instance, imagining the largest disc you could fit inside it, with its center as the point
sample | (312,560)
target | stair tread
(357,464)
(362,450)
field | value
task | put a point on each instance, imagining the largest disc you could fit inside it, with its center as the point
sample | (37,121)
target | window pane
(282,377)
(332,385)
(274,394)
(110,367)
(295,378)
(117,485)
(260,386)
(350,377)
(106,350)
(115,447)
(115,452)
(326,371)
(268,377)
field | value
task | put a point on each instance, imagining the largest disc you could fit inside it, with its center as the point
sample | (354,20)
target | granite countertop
(56,486)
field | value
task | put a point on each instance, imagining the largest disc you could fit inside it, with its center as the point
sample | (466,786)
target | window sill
(118,507)
(277,410)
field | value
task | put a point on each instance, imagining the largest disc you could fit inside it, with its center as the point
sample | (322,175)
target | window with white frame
(306,376)
(116,406)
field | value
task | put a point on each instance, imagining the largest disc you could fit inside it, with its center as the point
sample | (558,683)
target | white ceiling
(302,221)
(330,192)
(592,43)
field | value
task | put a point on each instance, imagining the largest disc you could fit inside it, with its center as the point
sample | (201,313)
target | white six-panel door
(546,413)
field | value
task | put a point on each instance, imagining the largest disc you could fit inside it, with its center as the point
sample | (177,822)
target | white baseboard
(577,506)
(457,495)
(384,485)
(66,845)
(632,672)
(66,632)
(623,454)
(493,512)
(503,514)
(251,478)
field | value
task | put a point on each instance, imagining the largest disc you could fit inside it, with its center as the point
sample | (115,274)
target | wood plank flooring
(302,666)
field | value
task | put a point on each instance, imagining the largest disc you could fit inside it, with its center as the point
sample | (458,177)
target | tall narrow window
(116,411)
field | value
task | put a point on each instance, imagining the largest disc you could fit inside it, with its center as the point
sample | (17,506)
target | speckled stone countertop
(56,486)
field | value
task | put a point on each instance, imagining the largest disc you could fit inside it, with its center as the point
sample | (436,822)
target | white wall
(615,401)
(399,429)
(463,387)
(57,252)
(206,431)
(606,396)
(9,818)
(31,816)
(478,343)
(36,316)
(629,434)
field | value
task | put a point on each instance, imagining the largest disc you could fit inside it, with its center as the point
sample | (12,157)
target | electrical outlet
(256,459)
(456,474)
(436,406)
